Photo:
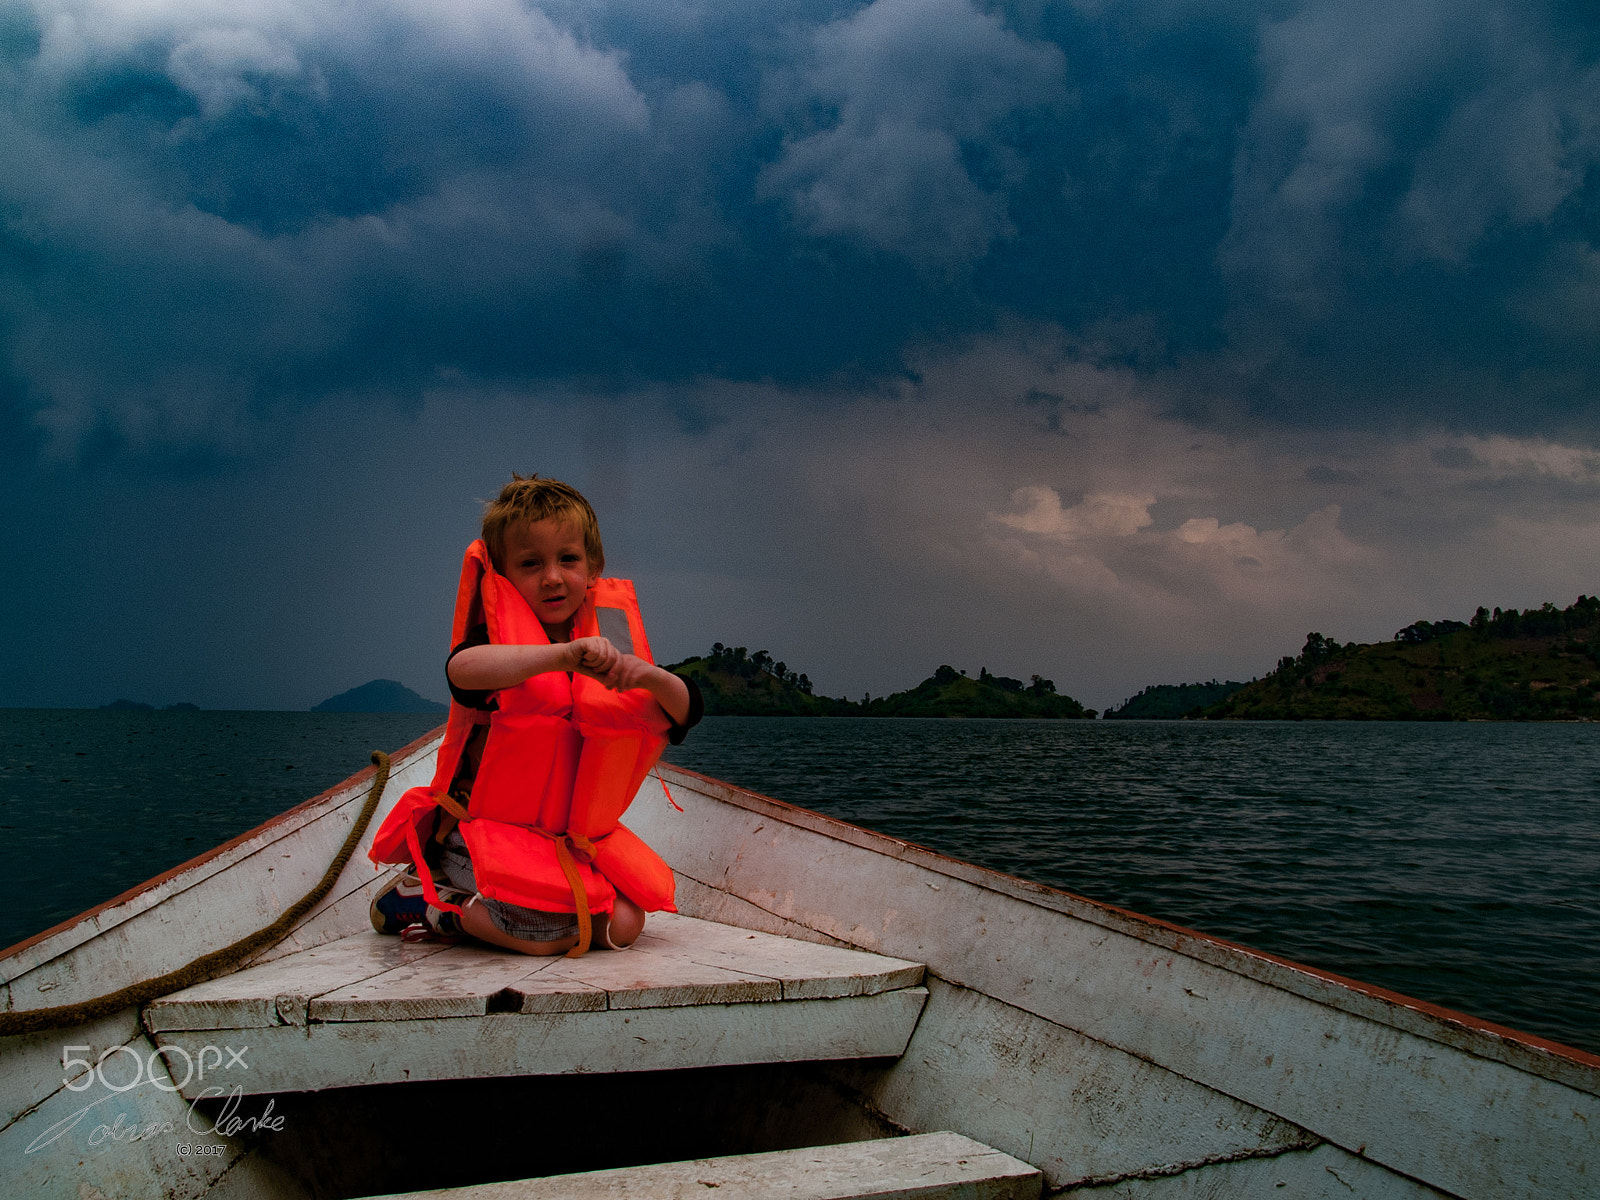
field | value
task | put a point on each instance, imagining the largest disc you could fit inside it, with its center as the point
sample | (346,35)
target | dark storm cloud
(1415,208)
(211,214)
(903,151)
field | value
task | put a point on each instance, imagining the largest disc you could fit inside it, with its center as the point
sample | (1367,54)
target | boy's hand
(597,658)
(594,656)
(616,670)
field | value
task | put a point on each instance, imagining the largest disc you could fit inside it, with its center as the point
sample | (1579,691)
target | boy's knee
(625,924)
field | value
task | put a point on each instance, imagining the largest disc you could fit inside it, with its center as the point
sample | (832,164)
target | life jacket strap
(570,847)
(424,874)
(580,897)
(666,791)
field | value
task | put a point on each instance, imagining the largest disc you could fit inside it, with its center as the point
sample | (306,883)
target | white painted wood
(678,961)
(457,983)
(340,915)
(805,970)
(646,976)
(258,996)
(104,1141)
(541,995)
(713,904)
(931,1166)
(33,1062)
(1076,1108)
(349,1053)
(1393,1095)
(1323,1173)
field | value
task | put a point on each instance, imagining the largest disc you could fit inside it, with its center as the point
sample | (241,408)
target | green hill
(1171,701)
(949,693)
(736,683)
(1542,664)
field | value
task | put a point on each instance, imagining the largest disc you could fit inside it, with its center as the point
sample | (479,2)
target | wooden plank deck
(373,1009)
(929,1166)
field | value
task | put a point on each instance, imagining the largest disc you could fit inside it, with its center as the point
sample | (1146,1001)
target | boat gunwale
(1482,1038)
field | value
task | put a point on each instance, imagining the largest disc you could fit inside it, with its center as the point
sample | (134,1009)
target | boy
(554,726)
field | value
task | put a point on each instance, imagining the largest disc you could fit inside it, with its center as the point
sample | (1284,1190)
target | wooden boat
(833,1009)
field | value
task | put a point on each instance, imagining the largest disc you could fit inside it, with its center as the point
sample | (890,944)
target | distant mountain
(1542,664)
(380,696)
(1171,701)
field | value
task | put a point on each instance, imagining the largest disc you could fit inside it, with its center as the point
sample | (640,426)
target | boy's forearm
(671,693)
(491,667)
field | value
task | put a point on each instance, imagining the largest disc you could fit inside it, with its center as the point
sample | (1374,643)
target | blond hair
(531,499)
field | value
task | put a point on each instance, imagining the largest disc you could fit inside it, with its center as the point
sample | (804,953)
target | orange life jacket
(564,758)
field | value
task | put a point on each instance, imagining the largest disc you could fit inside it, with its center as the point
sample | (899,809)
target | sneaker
(403,905)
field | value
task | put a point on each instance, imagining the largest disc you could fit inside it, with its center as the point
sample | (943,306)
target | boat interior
(903,1022)
(698,1041)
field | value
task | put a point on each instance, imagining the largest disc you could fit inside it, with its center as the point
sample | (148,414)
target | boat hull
(1121,1055)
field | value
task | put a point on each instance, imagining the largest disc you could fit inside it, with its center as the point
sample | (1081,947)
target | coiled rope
(207,966)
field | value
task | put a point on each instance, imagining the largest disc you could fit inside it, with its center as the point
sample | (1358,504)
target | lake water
(93,802)
(1454,863)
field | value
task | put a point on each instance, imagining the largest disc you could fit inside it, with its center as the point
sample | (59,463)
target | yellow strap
(575,882)
(453,807)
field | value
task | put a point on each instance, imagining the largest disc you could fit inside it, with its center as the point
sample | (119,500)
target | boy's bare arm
(630,671)
(491,667)
(671,693)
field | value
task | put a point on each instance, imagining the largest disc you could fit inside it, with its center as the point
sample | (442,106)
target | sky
(1120,343)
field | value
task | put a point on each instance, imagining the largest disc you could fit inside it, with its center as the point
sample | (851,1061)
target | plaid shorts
(528,924)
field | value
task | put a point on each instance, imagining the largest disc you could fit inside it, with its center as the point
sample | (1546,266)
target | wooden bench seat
(690,993)
(929,1166)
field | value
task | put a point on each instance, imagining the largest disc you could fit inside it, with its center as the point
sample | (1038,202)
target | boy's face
(547,563)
